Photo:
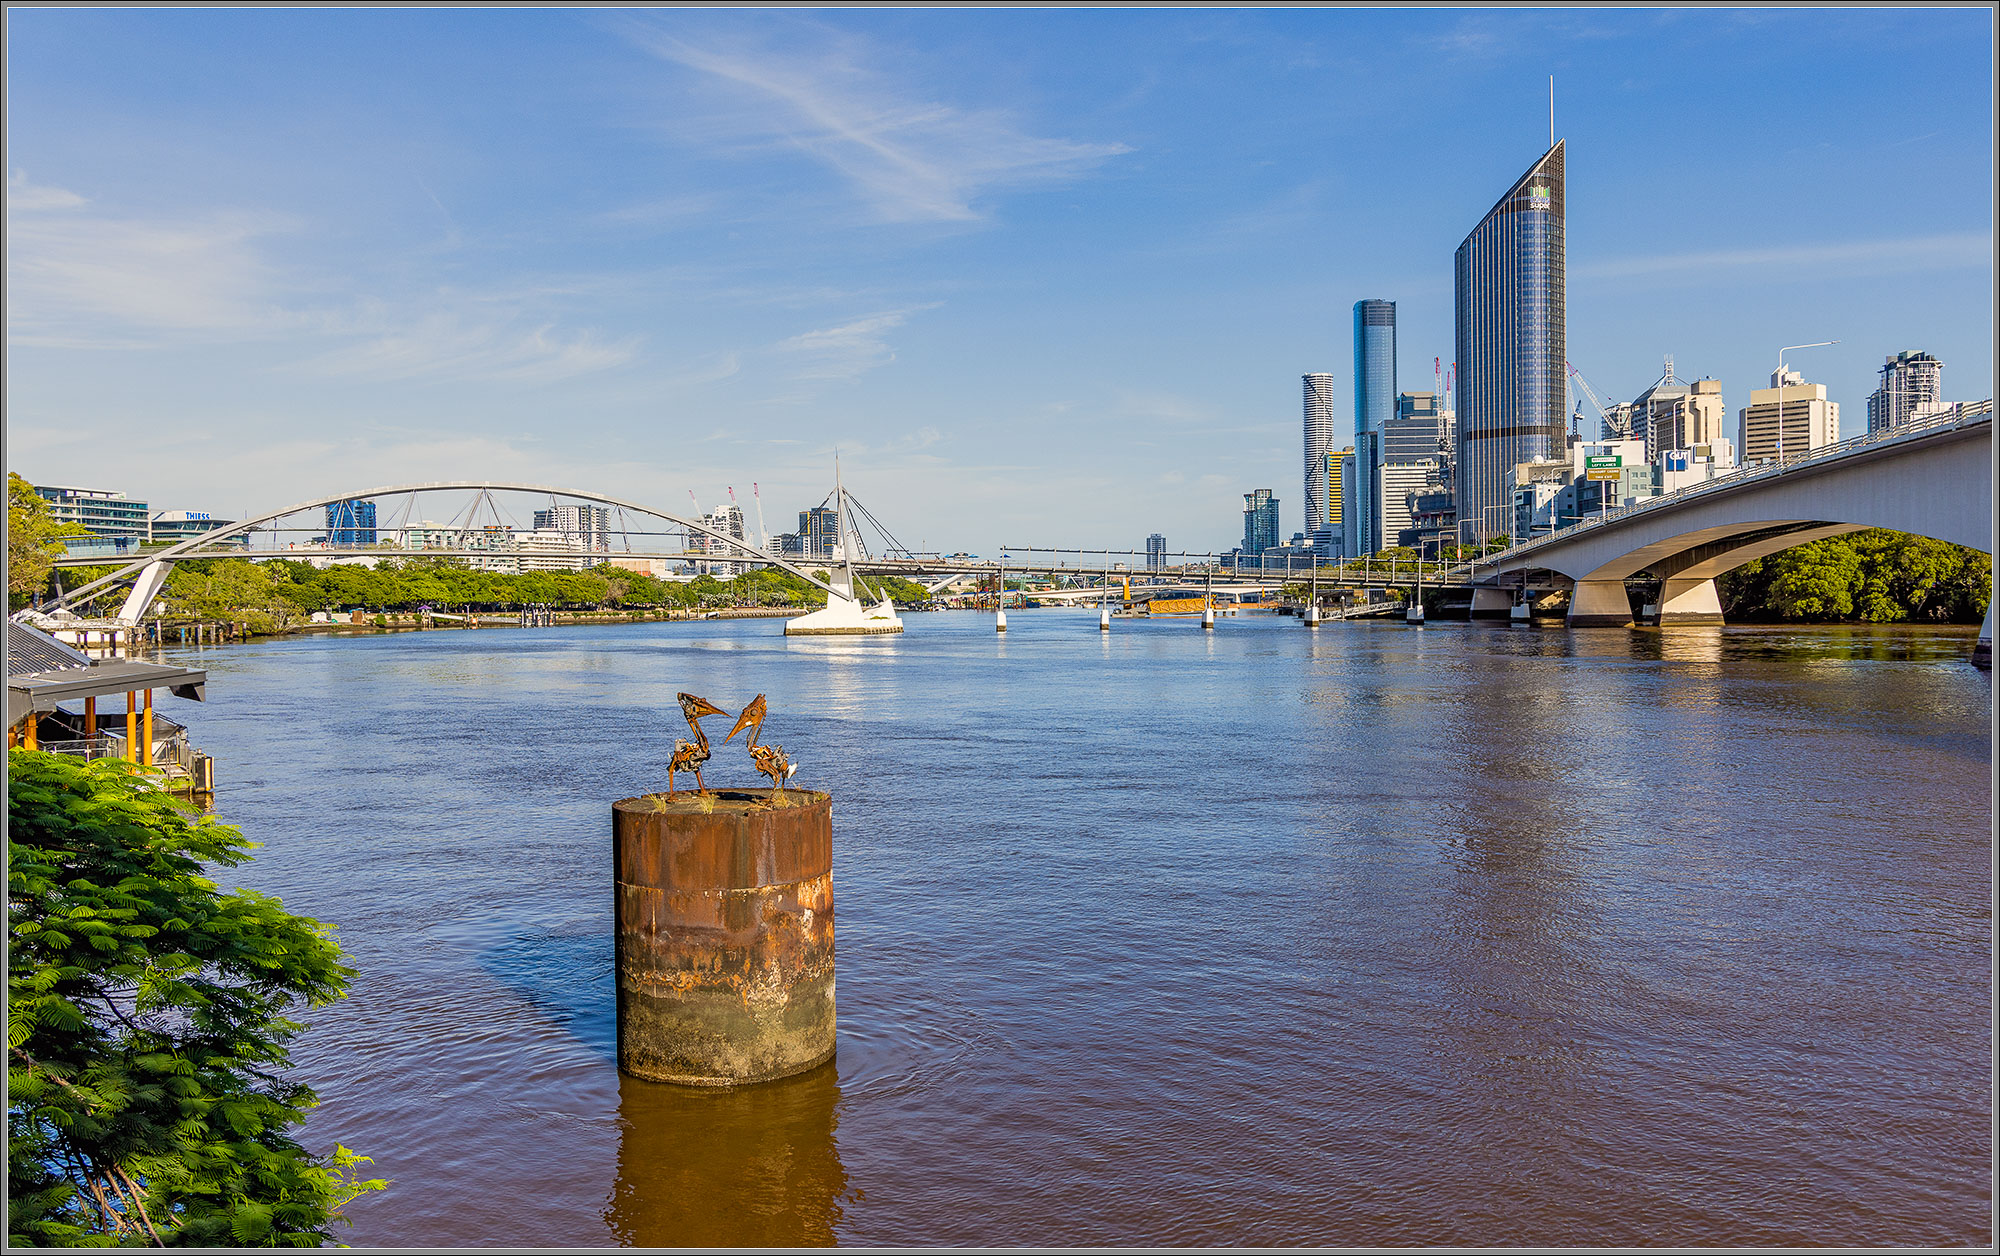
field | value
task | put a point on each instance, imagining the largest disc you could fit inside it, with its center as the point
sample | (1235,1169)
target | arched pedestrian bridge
(1933,478)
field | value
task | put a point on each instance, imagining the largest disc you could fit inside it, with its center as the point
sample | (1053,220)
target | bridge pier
(1689,602)
(1601,604)
(1489,602)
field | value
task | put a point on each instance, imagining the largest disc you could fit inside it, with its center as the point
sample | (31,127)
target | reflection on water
(1362,936)
(755,1166)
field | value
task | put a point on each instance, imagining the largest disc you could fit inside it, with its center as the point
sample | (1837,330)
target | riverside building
(1510,330)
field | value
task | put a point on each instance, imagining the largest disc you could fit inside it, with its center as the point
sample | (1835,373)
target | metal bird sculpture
(690,755)
(770,760)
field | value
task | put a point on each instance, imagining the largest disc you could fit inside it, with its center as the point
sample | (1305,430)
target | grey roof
(43,672)
(30,650)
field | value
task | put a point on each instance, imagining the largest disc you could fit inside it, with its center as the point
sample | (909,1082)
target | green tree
(34,541)
(147,1025)
(1817,580)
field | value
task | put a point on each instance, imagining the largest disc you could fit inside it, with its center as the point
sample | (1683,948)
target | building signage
(1610,460)
(1538,197)
(1611,474)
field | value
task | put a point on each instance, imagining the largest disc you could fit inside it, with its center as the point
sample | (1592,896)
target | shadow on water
(569,978)
(756,1166)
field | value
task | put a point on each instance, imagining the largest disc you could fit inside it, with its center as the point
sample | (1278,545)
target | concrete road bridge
(1933,478)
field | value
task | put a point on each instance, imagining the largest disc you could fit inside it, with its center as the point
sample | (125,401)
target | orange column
(34,718)
(132,725)
(146,745)
(90,717)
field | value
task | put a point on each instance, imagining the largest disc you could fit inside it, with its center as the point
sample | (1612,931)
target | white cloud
(75,277)
(23,196)
(446,345)
(912,159)
(1948,251)
(851,349)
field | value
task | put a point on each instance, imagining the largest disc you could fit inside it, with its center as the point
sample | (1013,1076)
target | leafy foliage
(34,541)
(282,589)
(1876,576)
(147,1025)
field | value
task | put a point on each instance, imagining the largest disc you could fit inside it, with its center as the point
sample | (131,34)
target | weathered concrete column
(724,934)
(1689,602)
(1599,604)
(1489,602)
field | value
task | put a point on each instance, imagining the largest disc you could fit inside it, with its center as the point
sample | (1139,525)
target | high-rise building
(1260,521)
(1912,386)
(819,529)
(587,527)
(1374,409)
(1512,398)
(1319,443)
(1156,552)
(350,523)
(1810,420)
(1349,503)
(727,520)
(1332,543)
(100,513)
(1674,414)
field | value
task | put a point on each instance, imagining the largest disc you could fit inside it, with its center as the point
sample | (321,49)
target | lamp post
(1780,382)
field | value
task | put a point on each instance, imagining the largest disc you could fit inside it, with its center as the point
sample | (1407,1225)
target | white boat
(845,613)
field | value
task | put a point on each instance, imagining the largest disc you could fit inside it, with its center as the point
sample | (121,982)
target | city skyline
(693,249)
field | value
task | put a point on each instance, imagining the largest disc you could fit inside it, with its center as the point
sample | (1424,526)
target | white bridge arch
(148,572)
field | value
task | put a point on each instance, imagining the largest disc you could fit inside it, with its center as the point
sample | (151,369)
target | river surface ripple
(1470,934)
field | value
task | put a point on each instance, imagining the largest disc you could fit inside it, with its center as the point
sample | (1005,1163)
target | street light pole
(1780,383)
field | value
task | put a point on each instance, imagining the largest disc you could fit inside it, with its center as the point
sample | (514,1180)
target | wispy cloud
(81,277)
(23,196)
(851,349)
(912,159)
(446,345)
(1934,252)
(76,275)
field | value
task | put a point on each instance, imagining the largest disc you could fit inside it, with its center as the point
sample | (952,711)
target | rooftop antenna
(1552,111)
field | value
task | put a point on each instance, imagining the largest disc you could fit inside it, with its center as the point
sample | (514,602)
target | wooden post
(132,725)
(34,718)
(146,745)
(90,717)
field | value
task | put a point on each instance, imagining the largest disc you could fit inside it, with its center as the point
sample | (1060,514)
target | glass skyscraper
(350,523)
(1260,522)
(1511,390)
(1374,406)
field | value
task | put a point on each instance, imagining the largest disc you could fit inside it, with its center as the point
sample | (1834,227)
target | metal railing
(1966,415)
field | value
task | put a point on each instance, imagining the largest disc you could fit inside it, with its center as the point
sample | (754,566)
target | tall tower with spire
(1511,394)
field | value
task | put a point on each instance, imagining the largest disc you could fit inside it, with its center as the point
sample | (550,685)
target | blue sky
(1042,276)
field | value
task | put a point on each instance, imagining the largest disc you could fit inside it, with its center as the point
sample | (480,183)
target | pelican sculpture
(690,755)
(770,760)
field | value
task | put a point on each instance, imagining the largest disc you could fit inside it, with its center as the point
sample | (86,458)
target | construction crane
(1609,427)
(763,537)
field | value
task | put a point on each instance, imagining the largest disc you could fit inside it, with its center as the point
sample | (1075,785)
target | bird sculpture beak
(704,707)
(748,721)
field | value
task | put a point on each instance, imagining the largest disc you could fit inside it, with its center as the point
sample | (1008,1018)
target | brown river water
(1464,935)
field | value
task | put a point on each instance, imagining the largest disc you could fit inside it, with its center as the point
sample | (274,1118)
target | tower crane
(1609,427)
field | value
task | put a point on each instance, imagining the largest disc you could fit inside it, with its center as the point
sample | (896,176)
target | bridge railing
(1965,415)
